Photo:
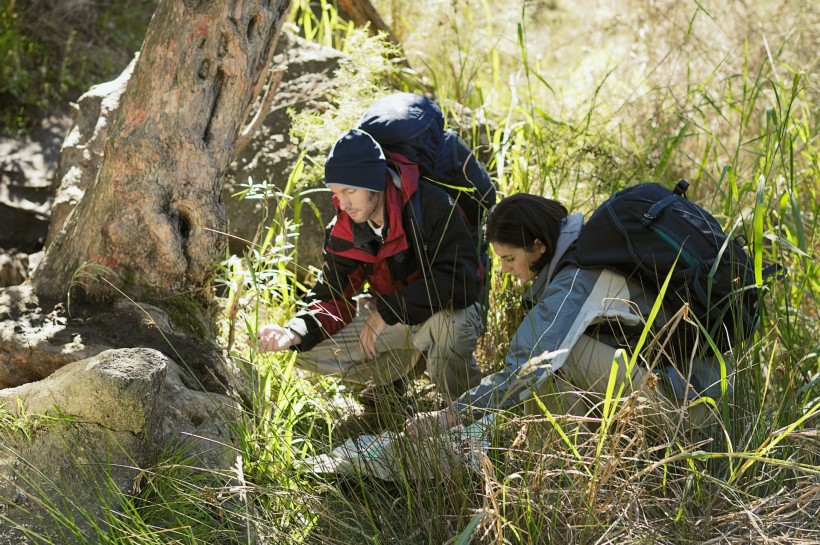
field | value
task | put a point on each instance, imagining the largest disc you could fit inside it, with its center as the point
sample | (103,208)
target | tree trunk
(154,216)
(362,12)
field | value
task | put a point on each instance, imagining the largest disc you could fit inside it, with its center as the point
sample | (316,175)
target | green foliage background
(52,51)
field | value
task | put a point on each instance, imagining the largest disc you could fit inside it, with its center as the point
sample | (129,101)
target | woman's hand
(430,423)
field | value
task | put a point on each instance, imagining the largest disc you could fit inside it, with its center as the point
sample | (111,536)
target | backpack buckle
(681,187)
(647,220)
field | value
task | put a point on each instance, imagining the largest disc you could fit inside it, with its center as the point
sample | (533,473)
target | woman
(581,322)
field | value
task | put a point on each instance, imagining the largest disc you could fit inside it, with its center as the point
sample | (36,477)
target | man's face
(360,204)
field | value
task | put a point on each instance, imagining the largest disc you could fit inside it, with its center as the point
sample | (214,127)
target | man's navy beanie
(356,160)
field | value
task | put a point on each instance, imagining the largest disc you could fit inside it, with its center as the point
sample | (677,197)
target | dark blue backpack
(650,231)
(412,125)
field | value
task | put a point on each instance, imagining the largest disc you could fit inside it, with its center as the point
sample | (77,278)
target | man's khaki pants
(447,340)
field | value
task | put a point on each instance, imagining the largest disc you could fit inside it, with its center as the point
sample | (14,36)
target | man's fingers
(368,341)
(368,345)
(273,339)
(370,334)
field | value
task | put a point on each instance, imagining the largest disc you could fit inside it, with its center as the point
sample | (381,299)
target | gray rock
(13,268)
(89,429)
(26,169)
(35,342)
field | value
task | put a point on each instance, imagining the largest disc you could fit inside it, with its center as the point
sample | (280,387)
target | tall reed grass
(744,134)
(561,104)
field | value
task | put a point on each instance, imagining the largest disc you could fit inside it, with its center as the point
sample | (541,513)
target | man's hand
(371,330)
(274,338)
(431,423)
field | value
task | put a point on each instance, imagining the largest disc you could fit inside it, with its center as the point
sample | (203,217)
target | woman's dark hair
(519,220)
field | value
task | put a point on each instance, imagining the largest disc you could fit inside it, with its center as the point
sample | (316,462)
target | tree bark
(154,215)
(362,12)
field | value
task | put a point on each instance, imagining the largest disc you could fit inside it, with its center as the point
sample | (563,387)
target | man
(409,244)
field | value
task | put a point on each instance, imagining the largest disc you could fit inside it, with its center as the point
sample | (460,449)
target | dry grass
(575,100)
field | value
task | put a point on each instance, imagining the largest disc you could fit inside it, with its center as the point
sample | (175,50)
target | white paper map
(390,455)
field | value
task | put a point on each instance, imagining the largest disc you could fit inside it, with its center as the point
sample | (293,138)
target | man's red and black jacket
(425,264)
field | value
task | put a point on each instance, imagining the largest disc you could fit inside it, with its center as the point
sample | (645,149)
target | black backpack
(651,231)
(412,125)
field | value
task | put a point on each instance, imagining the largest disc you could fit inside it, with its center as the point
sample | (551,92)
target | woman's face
(518,261)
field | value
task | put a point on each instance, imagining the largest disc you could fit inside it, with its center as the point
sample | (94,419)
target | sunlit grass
(561,103)
(741,132)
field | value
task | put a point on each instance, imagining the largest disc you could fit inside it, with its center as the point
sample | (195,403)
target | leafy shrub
(51,52)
